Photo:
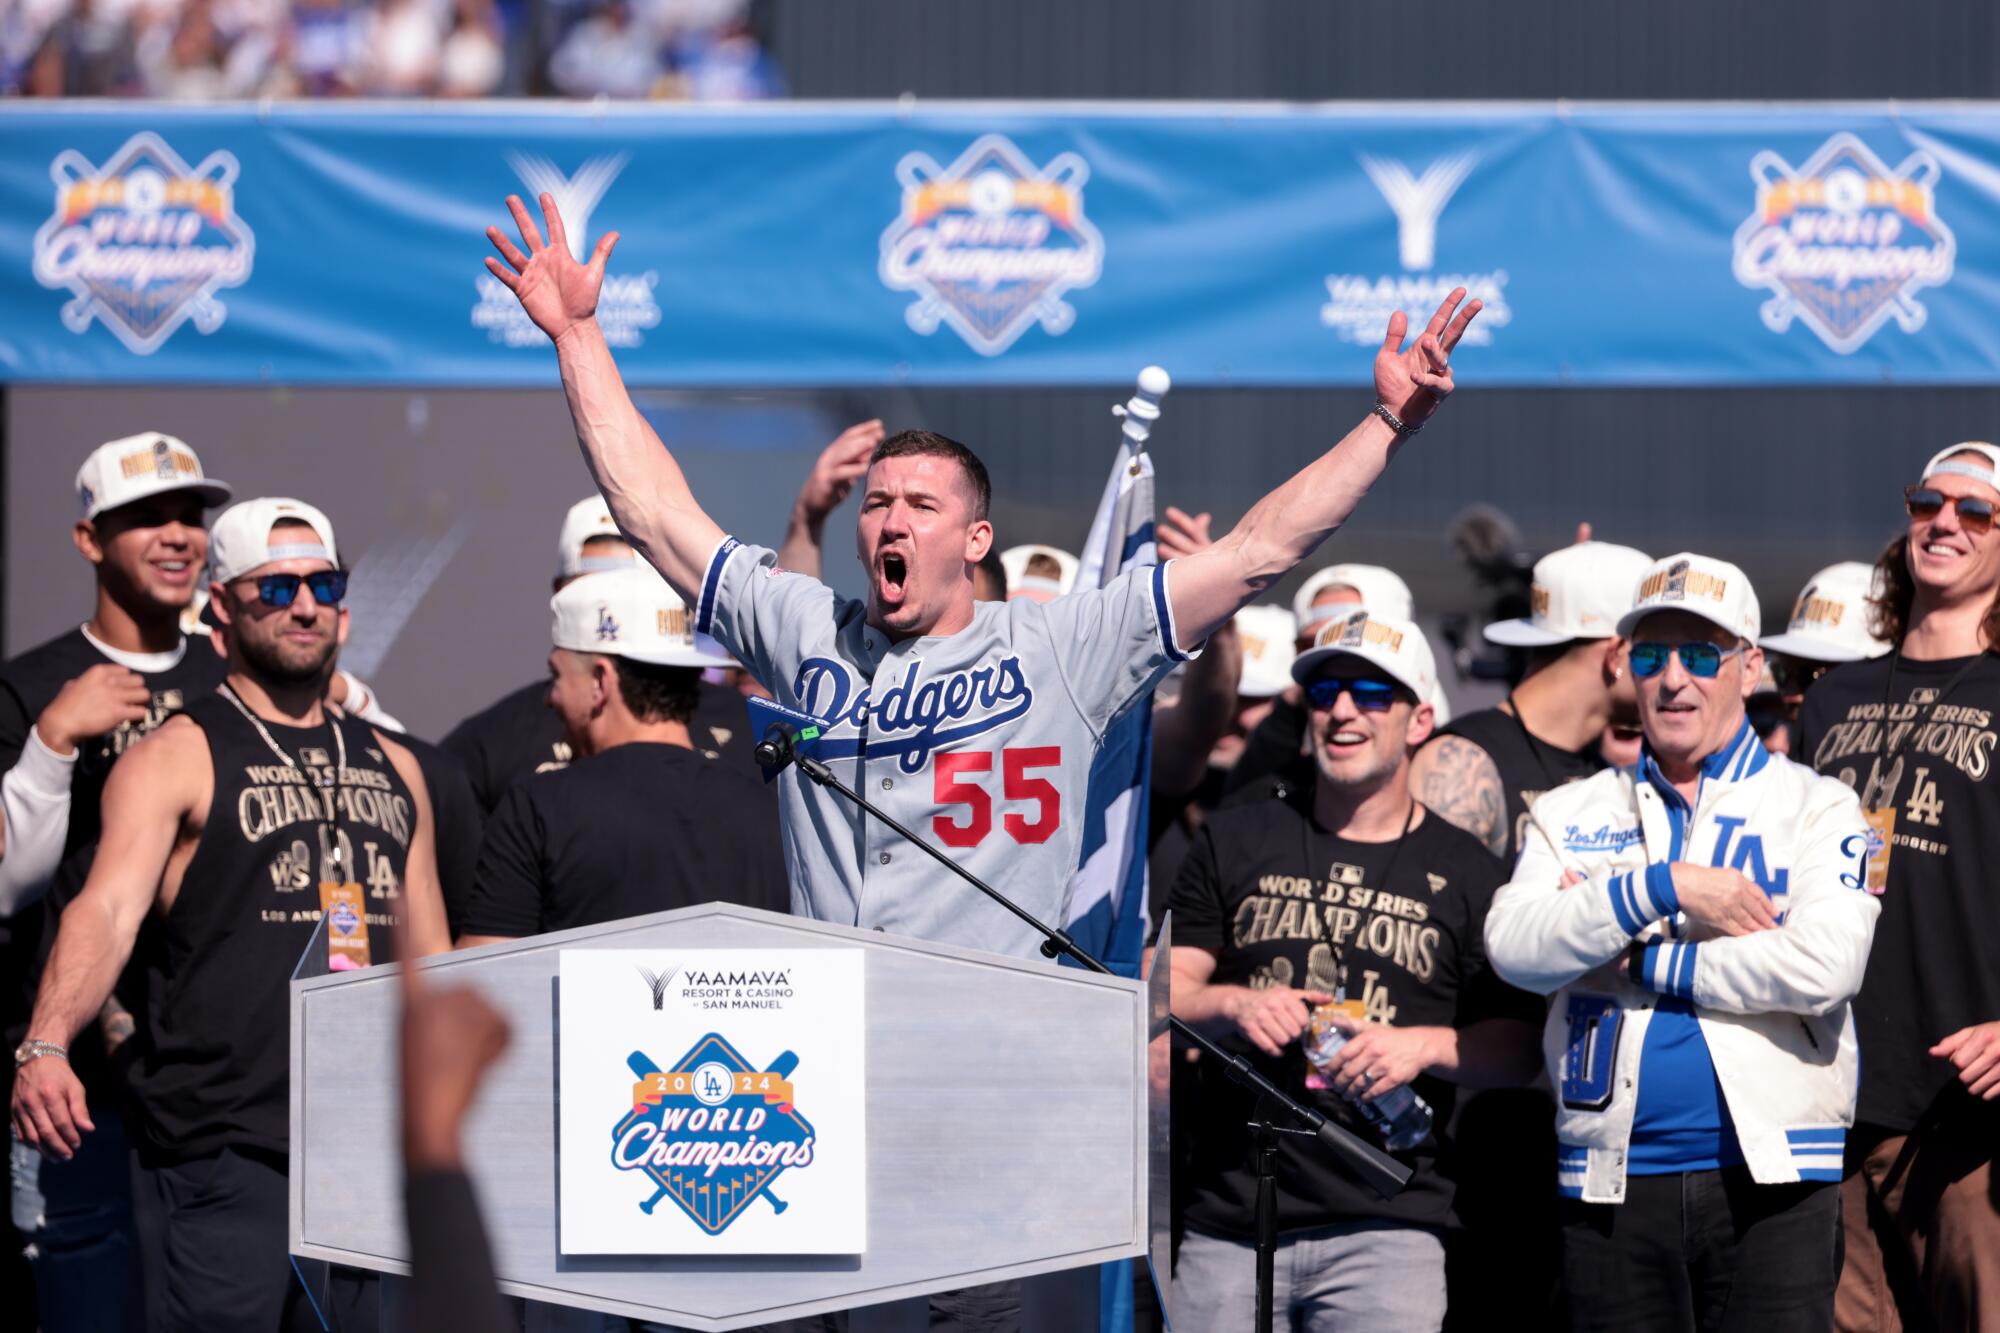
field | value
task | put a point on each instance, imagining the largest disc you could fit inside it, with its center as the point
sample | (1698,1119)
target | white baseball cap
(1715,590)
(1830,618)
(121,471)
(239,541)
(1398,647)
(1942,462)
(631,613)
(588,520)
(1267,634)
(1381,591)
(1040,587)
(1578,592)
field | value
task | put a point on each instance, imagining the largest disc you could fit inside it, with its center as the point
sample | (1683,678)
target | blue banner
(857,244)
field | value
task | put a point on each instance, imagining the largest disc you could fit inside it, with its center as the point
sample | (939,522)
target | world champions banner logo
(712,1132)
(1843,243)
(144,242)
(991,243)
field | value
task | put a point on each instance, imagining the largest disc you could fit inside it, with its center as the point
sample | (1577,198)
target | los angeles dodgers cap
(239,541)
(1578,592)
(1715,590)
(1830,617)
(633,613)
(123,470)
(588,520)
(1398,647)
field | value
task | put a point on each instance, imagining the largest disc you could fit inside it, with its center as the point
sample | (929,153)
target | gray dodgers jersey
(980,741)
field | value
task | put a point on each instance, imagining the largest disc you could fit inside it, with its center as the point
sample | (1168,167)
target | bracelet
(35,1050)
(1396,422)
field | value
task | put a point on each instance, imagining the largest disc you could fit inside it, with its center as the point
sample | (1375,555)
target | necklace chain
(340,764)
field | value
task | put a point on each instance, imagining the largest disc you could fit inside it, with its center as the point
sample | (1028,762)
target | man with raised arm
(975,723)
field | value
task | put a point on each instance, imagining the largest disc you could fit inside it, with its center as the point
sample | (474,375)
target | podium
(1009,1125)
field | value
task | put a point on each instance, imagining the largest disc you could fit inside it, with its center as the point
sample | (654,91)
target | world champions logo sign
(1843,243)
(144,242)
(713,1132)
(991,243)
(677,1080)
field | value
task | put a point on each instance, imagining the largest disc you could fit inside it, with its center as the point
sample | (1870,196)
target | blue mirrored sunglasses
(328,586)
(1370,696)
(1700,659)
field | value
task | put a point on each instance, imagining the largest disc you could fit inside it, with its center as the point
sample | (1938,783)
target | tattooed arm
(116,1022)
(1460,781)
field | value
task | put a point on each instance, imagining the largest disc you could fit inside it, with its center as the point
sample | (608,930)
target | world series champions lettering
(279,797)
(1351,915)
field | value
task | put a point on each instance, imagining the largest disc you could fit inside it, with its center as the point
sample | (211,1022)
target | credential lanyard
(340,899)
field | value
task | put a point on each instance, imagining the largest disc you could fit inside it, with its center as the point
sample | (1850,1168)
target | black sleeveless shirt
(1528,766)
(216,1072)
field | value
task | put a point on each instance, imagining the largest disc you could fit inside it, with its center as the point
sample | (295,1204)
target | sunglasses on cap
(328,586)
(1702,659)
(1370,695)
(1975,514)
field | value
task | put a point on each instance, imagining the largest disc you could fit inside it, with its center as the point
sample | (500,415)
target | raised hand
(840,465)
(1180,534)
(556,291)
(1412,381)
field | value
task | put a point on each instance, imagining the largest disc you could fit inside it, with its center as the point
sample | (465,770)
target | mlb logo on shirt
(1341,873)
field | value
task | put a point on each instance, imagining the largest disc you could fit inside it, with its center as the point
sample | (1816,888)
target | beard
(271,664)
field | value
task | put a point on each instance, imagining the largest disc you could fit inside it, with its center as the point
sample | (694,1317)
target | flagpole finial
(1143,408)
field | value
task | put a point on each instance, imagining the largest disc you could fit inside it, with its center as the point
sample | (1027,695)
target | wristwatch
(35,1050)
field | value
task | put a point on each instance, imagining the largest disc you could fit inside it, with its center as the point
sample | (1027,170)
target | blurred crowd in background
(193,50)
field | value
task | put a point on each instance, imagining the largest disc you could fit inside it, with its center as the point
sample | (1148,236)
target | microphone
(776,751)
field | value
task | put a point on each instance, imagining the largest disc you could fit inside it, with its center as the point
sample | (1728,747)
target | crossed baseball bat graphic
(645,1068)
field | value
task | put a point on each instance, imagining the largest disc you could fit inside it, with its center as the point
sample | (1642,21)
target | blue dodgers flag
(1107,897)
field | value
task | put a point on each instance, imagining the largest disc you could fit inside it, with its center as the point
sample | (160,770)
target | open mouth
(893,577)
(1344,741)
(174,571)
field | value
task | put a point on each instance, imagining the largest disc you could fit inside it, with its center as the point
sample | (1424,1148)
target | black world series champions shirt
(28,685)
(1282,902)
(1932,969)
(215,1072)
(644,827)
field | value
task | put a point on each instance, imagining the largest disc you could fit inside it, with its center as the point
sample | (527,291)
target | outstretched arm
(641,481)
(1285,526)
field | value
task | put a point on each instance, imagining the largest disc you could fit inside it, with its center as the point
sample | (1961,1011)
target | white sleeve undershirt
(34,803)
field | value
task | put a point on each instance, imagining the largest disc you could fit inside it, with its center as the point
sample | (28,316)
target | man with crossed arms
(974,723)
(1700,920)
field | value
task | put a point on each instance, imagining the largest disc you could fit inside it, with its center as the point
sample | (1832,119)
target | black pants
(214,1247)
(1708,1250)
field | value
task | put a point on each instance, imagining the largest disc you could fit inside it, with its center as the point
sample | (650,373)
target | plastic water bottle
(1399,1115)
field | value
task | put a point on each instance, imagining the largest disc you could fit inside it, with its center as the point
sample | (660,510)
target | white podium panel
(1006,1125)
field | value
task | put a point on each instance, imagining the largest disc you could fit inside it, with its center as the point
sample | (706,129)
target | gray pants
(1360,1278)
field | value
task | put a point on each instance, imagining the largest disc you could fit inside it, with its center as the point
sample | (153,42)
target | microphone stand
(1381,1172)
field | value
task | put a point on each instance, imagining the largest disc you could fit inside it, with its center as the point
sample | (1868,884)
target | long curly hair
(1889,608)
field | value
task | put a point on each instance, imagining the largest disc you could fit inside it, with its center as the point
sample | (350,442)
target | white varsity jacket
(1772,1005)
